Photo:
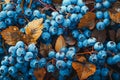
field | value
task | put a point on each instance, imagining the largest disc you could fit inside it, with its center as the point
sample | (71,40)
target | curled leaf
(40,73)
(11,35)
(84,70)
(88,20)
(60,43)
(34,28)
(115,17)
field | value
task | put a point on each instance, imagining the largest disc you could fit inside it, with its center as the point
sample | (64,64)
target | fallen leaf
(70,40)
(11,35)
(81,58)
(57,1)
(115,7)
(34,28)
(44,49)
(84,70)
(112,35)
(40,73)
(7,1)
(99,35)
(118,35)
(60,43)
(88,20)
(115,17)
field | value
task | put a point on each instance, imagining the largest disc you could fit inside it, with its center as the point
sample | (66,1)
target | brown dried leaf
(115,17)
(7,1)
(81,58)
(70,40)
(88,20)
(57,1)
(118,35)
(60,43)
(40,73)
(99,35)
(84,71)
(44,49)
(112,34)
(11,35)
(34,28)
(115,7)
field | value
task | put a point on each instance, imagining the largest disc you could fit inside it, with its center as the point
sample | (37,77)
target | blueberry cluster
(68,16)
(63,61)
(14,14)
(21,62)
(102,13)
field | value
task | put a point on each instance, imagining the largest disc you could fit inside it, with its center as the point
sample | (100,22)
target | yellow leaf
(11,35)
(84,70)
(88,20)
(34,28)
(115,17)
(60,43)
(7,1)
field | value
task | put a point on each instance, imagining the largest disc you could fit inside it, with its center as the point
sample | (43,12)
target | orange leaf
(81,58)
(40,73)
(11,35)
(88,20)
(84,70)
(60,43)
(34,28)
(115,17)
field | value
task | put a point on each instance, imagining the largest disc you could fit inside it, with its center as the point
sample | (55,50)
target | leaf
(118,35)
(57,1)
(84,71)
(88,20)
(112,35)
(115,7)
(99,35)
(115,17)
(81,58)
(40,73)
(11,35)
(60,43)
(70,40)
(7,1)
(44,49)
(34,29)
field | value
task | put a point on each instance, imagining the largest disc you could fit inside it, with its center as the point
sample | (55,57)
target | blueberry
(104,72)
(99,14)
(106,4)
(100,26)
(70,9)
(51,54)
(59,19)
(98,46)
(60,64)
(111,45)
(50,68)
(60,55)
